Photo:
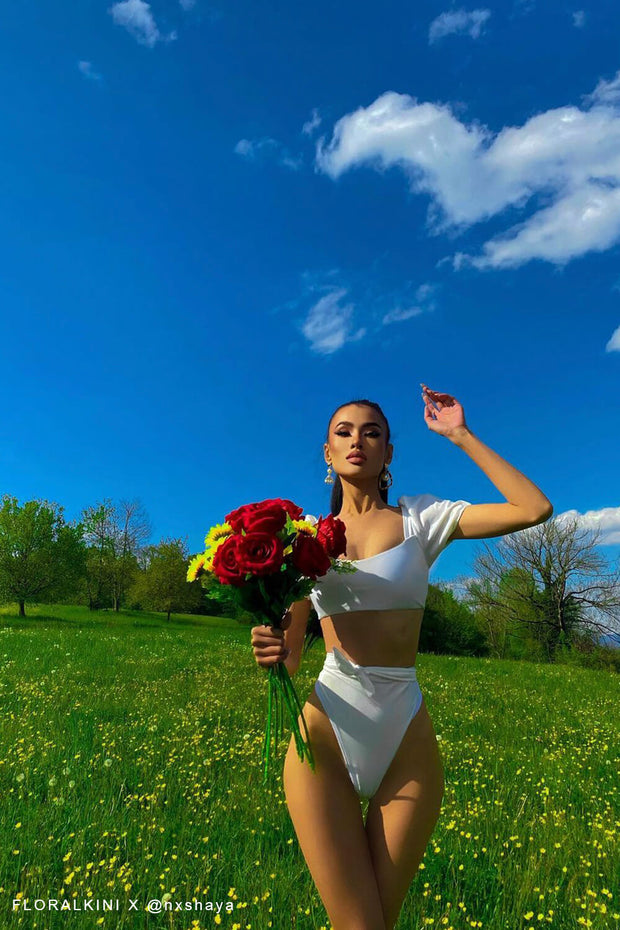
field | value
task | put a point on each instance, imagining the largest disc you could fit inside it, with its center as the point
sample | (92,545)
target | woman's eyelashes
(345,432)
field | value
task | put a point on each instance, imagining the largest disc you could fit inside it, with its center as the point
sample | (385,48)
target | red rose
(331,532)
(292,509)
(309,556)
(225,562)
(260,553)
(267,516)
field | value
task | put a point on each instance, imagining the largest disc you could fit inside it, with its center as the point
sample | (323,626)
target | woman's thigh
(327,816)
(403,813)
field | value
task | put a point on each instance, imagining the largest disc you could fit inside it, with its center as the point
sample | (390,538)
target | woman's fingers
(262,642)
(271,655)
(268,645)
(437,395)
(268,639)
(269,652)
(267,631)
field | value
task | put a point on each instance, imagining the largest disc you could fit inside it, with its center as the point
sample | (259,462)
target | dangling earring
(329,479)
(385,481)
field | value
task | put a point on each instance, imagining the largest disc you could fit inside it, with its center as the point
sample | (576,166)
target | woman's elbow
(291,663)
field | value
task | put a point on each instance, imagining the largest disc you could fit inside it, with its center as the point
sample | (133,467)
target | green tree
(449,627)
(131,530)
(99,530)
(542,587)
(115,536)
(162,585)
(41,556)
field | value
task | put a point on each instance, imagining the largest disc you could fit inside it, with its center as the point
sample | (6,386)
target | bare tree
(134,524)
(116,536)
(99,534)
(132,530)
(550,579)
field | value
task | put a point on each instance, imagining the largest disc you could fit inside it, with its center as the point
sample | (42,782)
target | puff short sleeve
(433,520)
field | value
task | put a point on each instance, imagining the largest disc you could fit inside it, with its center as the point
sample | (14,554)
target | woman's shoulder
(419,507)
(418,501)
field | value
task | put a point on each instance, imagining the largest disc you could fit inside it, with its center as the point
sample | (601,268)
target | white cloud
(605,92)
(293,163)
(586,220)
(606,520)
(424,291)
(250,149)
(397,314)
(136,17)
(86,68)
(579,18)
(468,21)
(309,126)
(614,343)
(328,324)
(566,158)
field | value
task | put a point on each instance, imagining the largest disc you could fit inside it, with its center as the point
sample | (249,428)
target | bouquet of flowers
(265,556)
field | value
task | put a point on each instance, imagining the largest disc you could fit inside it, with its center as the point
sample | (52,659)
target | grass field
(130,769)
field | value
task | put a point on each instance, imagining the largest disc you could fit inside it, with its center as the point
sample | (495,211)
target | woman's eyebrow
(347,423)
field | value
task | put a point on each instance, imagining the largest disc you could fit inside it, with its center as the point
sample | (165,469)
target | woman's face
(358,429)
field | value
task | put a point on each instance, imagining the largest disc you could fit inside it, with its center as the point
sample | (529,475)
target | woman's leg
(402,814)
(327,817)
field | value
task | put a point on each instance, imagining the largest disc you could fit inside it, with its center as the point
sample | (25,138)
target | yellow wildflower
(306,526)
(218,532)
(196,566)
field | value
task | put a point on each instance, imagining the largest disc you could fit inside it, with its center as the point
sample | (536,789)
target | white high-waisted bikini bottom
(370,708)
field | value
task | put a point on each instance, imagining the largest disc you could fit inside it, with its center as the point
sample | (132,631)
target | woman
(369,726)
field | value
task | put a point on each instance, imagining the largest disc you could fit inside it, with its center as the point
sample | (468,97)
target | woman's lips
(358,459)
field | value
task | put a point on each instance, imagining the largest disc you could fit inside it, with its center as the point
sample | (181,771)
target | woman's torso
(375,637)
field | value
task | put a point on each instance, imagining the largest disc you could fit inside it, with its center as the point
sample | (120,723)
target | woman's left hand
(447,416)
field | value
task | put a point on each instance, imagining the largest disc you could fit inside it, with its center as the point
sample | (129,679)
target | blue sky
(221,221)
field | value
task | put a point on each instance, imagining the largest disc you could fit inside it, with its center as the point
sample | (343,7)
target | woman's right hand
(268,644)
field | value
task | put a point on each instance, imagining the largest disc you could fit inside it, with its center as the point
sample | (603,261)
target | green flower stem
(281,689)
(295,709)
(268,733)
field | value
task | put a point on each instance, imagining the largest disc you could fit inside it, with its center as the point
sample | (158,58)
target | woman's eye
(345,432)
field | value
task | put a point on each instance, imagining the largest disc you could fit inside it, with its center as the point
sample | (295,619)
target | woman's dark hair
(313,629)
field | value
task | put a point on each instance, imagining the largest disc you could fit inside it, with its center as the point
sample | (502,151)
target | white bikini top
(397,577)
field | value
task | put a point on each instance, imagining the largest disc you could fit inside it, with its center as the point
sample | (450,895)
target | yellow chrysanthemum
(196,566)
(210,553)
(306,526)
(216,533)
